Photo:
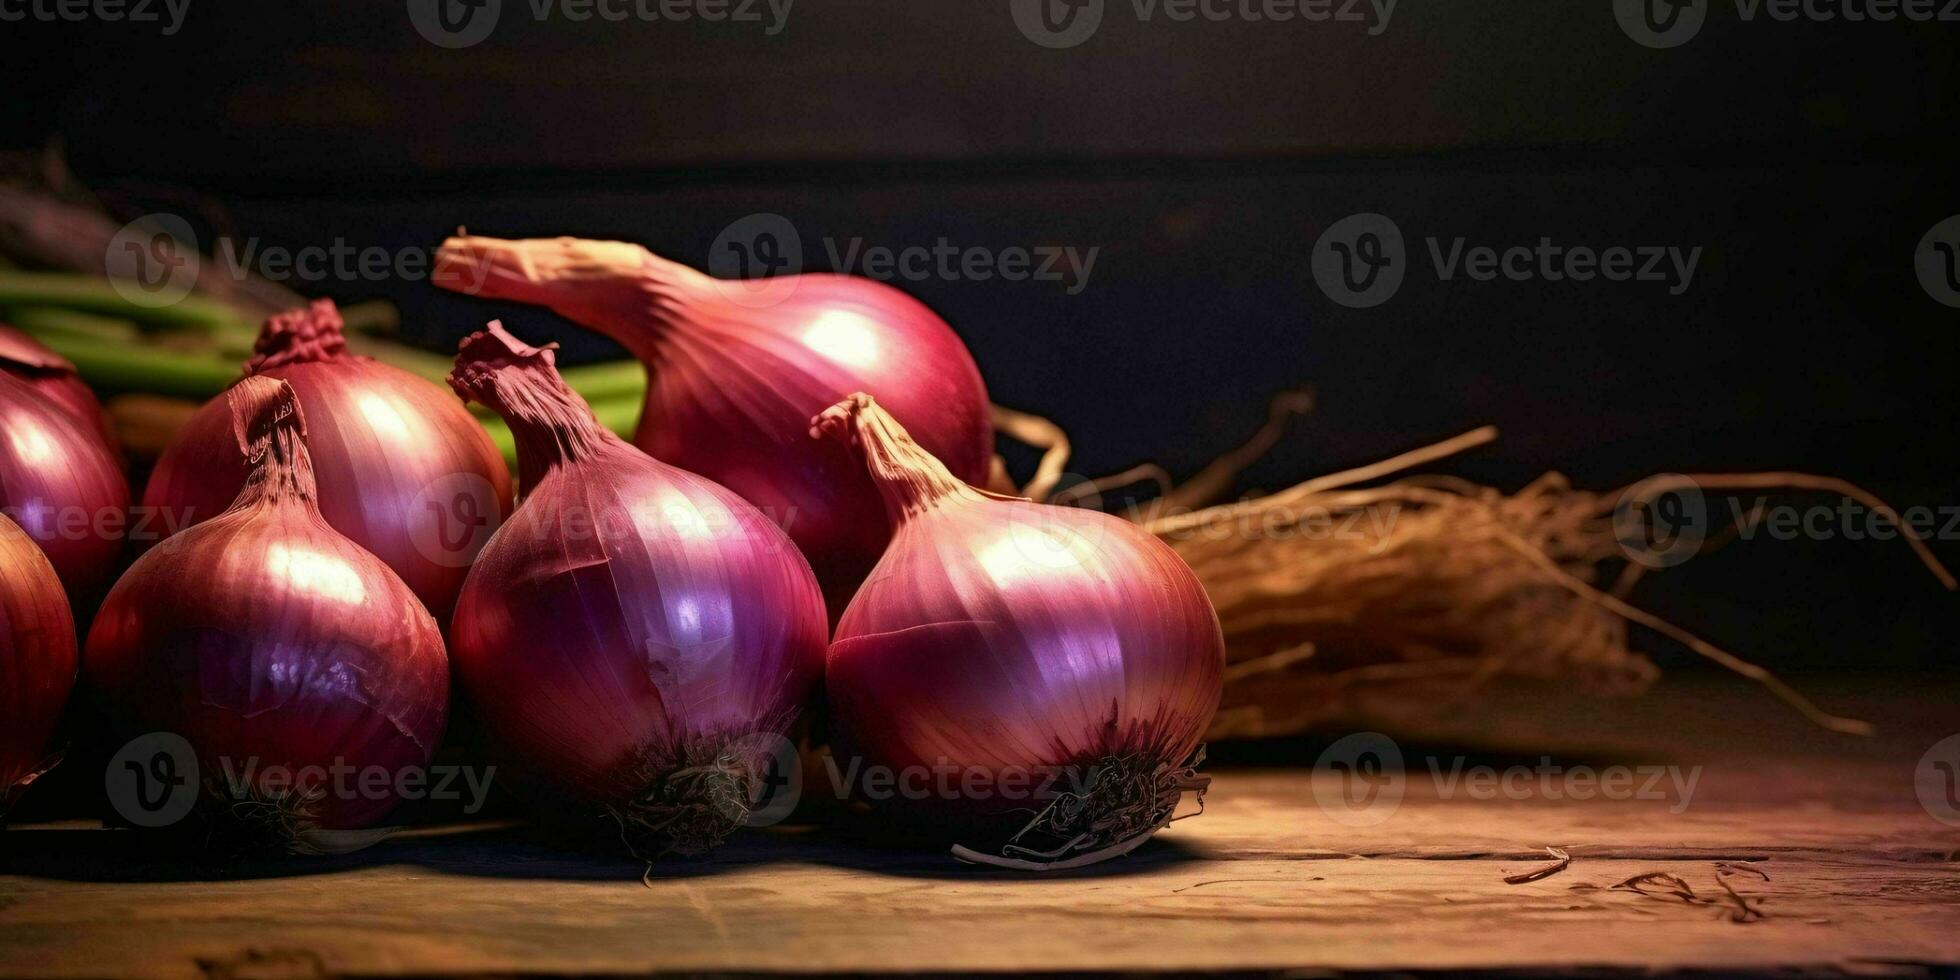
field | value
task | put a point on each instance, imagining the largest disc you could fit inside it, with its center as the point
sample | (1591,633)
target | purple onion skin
(736,370)
(628,610)
(265,637)
(63,486)
(403,469)
(37,657)
(55,378)
(1001,636)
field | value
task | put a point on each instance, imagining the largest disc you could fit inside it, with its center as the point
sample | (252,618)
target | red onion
(37,659)
(736,370)
(403,469)
(52,375)
(634,633)
(294,662)
(1016,658)
(62,484)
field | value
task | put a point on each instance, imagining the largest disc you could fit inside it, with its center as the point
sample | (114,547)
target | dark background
(1204,160)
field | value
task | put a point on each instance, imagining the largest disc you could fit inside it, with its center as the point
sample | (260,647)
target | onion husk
(737,368)
(403,469)
(998,637)
(37,661)
(271,642)
(636,639)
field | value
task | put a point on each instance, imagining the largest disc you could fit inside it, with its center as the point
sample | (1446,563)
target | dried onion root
(1442,587)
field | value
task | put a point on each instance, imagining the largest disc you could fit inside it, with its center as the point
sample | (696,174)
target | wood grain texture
(1861,879)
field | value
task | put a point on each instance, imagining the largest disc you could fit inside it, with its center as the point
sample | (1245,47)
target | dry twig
(1561,860)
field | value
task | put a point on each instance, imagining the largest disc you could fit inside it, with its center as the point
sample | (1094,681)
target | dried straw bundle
(1346,605)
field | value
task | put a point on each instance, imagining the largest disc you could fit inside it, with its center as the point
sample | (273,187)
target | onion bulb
(403,469)
(52,375)
(293,662)
(62,484)
(736,370)
(1009,658)
(37,659)
(635,636)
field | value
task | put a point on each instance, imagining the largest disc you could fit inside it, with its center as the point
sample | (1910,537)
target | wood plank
(1861,879)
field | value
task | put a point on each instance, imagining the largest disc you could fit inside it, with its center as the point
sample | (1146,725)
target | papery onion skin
(403,469)
(736,370)
(52,375)
(1001,636)
(271,641)
(630,619)
(63,485)
(37,659)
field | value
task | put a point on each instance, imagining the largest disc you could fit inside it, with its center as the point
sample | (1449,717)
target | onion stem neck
(911,479)
(302,336)
(617,288)
(271,431)
(552,425)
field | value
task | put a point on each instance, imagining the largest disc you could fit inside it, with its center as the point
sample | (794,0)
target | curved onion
(735,370)
(55,378)
(403,469)
(61,483)
(634,634)
(1002,642)
(272,643)
(37,659)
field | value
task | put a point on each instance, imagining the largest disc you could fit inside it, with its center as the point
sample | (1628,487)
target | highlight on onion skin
(63,485)
(736,370)
(403,469)
(37,660)
(635,637)
(56,379)
(273,643)
(1001,640)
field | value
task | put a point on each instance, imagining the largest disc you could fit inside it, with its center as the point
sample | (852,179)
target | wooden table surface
(1860,876)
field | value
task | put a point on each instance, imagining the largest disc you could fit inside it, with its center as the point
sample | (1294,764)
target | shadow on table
(519,853)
